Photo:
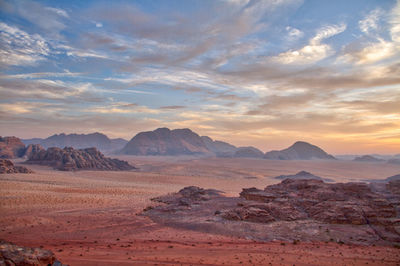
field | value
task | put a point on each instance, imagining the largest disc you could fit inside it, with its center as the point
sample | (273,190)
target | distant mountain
(11,147)
(80,141)
(164,141)
(299,151)
(220,148)
(303,175)
(367,158)
(248,152)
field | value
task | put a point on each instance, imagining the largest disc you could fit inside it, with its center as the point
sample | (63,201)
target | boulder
(11,254)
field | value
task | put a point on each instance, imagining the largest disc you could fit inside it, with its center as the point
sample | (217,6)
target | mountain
(367,158)
(164,141)
(11,147)
(70,159)
(303,175)
(80,141)
(248,152)
(299,151)
(220,148)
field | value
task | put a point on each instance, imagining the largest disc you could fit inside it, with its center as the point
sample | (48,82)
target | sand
(93,217)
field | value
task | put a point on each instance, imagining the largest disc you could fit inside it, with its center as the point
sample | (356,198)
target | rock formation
(11,147)
(295,209)
(299,151)
(163,141)
(219,148)
(32,149)
(367,158)
(69,159)
(7,167)
(80,141)
(11,254)
(303,175)
(248,152)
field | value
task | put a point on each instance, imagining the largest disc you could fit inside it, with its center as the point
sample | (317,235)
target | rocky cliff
(70,159)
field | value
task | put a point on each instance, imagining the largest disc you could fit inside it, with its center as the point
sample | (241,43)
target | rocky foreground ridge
(293,210)
(70,159)
(11,254)
(7,167)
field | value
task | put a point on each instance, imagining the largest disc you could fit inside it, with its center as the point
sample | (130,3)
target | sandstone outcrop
(69,159)
(295,209)
(7,167)
(32,149)
(11,254)
(11,147)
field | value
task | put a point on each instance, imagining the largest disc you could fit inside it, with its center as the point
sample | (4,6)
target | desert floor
(93,217)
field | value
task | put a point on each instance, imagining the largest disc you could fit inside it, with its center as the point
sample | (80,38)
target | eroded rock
(307,210)
(7,167)
(11,254)
(70,159)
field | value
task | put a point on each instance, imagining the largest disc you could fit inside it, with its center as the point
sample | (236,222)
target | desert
(199,132)
(93,217)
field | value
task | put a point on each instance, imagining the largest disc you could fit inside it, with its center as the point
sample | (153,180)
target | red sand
(90,218)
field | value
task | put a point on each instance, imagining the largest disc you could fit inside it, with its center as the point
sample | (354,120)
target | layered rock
(295,209)
(69,159)
(7,167)
(299,151)
(11,254)
(32,149)
(11,147)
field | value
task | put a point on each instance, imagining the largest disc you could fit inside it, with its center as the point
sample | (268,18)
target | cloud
(24,89)
(395,23)
(370,22)
(48,19)
(314,51)
(21,48)
(372,52)
(294,34)
(173,107)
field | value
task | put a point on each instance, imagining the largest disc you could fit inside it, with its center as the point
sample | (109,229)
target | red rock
(11,254)
(11,147)
(7,167)
(69,159)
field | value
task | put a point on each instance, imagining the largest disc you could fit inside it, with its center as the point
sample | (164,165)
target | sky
(261,73)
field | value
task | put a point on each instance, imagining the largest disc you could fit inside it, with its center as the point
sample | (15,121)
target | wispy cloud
(20,48)
(315,50)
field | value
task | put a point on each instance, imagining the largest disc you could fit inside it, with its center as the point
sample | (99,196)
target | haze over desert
(199,132)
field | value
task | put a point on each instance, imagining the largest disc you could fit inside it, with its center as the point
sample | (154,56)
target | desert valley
(149,210)
(199,132)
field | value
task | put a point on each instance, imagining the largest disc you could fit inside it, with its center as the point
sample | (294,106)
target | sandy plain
(93,217)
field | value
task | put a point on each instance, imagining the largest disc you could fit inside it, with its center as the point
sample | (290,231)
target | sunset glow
(261,73)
